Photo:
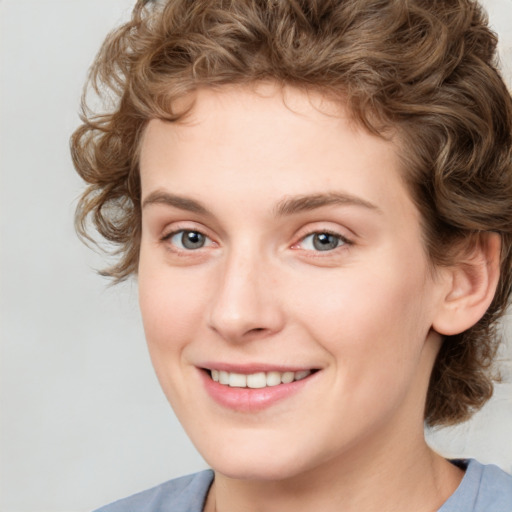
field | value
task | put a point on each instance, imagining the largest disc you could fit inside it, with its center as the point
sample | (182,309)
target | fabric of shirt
(484,488)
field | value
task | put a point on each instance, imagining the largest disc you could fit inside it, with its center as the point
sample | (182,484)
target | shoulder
(186,494)
(495,489)
(484,488)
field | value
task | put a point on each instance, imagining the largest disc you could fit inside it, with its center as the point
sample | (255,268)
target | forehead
(249,139)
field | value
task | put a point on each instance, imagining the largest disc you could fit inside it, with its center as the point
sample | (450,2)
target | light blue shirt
(483,489)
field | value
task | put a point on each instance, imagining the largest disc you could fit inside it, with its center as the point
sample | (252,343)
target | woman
(316,198)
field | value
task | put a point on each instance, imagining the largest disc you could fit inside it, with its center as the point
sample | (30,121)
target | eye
(323,241)
(188,240)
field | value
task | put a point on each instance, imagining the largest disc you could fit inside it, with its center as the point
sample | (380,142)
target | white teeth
(302,374)
(273,378)
(237,380)
(287,377)
(257,380)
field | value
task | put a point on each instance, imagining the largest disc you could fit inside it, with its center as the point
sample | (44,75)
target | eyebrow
(285,207)
(183,203)
(290,206)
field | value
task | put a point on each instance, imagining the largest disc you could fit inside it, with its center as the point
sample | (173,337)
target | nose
(245,303)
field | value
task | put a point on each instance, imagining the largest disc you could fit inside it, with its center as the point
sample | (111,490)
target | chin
(259,459)
(264,470)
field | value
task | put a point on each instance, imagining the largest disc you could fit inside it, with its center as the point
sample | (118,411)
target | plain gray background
(83,421)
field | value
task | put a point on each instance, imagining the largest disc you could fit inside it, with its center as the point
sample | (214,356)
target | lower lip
(249,399)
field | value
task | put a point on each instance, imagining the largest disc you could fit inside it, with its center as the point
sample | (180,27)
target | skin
(259,292)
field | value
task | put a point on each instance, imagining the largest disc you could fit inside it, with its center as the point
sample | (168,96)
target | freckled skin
(260,291)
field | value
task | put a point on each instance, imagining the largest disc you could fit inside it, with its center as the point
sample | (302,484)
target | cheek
(172,309)
(171,304)
(370,322)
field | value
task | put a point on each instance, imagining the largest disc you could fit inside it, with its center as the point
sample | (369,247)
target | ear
(469,286)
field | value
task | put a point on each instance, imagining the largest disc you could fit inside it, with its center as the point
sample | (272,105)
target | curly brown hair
(427,69)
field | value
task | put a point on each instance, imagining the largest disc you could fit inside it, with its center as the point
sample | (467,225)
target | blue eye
(323,241)
(189,240)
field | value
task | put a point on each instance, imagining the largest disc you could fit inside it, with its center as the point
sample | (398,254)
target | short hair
(427,70)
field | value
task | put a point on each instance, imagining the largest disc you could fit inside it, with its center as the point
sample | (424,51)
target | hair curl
(425,68)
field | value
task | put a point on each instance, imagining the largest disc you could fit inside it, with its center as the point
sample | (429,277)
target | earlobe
(470,285)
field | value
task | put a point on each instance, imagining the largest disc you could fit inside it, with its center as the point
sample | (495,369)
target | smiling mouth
(257,380)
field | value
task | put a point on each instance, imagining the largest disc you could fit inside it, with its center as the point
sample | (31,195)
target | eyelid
(345,241)
(172,228)
(180,228)
(173,232)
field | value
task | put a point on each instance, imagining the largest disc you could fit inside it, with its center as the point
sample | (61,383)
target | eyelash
(342,242)
(169,236)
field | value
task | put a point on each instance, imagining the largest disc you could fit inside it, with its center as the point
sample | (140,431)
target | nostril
(256,330)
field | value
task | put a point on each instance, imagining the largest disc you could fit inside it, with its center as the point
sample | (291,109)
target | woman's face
(285,293)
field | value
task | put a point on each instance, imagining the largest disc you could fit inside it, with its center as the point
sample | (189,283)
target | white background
(83,421)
